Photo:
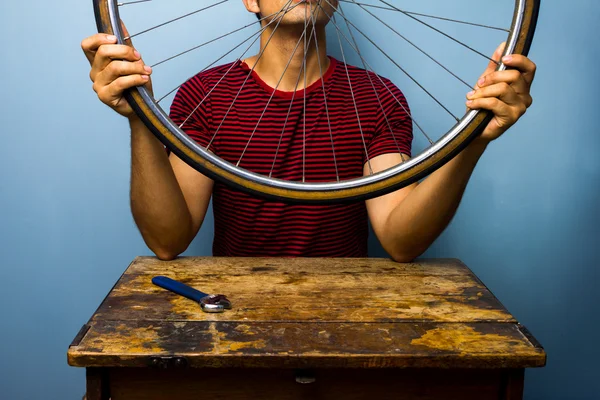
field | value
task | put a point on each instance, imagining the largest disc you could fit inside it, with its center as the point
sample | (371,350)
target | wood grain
(317,313)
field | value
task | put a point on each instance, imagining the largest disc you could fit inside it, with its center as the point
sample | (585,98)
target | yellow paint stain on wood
(447,311)
(439,291)
(225,345)
(279,332)
(324,335)
(236,346)
(439,284)
(466,339)
(190,266)
(140,340)
(245,329)
(344,309)
(186,307)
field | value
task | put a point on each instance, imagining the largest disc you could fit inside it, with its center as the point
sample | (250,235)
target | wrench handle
(179,288)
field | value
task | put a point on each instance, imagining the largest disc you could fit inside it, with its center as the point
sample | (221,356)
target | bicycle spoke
(304,102)
(373,86)
(376,102)
(441,32)
(313,19)
(399,66)
(132,2)
(381,80)
(175,19)
(302,37)
(249,75)
(231,67)
(415,46)
(211,41)
(257,34)
(353,98)
(287,117)
(430,16)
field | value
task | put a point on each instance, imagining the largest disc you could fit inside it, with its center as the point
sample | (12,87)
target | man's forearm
(157,202)
(421,217)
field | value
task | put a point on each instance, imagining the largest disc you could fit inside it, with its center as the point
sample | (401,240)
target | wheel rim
(450,144)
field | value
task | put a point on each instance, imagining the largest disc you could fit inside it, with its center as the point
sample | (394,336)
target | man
(169,199)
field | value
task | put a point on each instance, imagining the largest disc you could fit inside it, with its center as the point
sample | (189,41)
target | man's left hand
(505,93)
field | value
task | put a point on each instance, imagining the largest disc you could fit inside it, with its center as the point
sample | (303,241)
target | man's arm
(169,199)
(409,220)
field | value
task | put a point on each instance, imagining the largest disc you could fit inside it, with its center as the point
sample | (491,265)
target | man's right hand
(115,68)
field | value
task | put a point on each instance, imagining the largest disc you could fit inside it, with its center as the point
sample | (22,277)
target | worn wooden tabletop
(307,313)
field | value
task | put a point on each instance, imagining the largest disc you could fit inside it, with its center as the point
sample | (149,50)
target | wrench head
(215,303)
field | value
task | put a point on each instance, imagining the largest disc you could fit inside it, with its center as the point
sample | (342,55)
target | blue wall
(529,225)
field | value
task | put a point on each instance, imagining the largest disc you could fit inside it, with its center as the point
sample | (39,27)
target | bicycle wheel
(518,37)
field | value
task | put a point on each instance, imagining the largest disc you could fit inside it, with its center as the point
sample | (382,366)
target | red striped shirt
(246,225)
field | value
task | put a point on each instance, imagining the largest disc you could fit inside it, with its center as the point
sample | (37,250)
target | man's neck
(282,67)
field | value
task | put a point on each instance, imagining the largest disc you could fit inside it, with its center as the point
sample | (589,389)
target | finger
(91,44)
(112,93)
(509,113)
(497,55)
(493,104)
(491,67)
(512,77)
(504,115)
(123,83)
(502,91)
(117,69)
(523,64)
(108,53)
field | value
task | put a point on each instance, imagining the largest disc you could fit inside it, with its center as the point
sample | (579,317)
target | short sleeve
(191,108)
(393,130)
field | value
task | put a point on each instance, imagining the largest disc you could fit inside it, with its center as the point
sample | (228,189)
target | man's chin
(298,17)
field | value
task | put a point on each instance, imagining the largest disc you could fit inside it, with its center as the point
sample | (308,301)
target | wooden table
(305,329)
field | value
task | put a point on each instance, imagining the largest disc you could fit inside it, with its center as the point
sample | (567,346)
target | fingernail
(111,38)
(507,59)
(137,54)
(145,77)
(481,81)
(147,68)
(469,102)
(470,94)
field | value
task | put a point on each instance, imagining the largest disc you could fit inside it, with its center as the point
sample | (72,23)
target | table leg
(514,382)
(97,386)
